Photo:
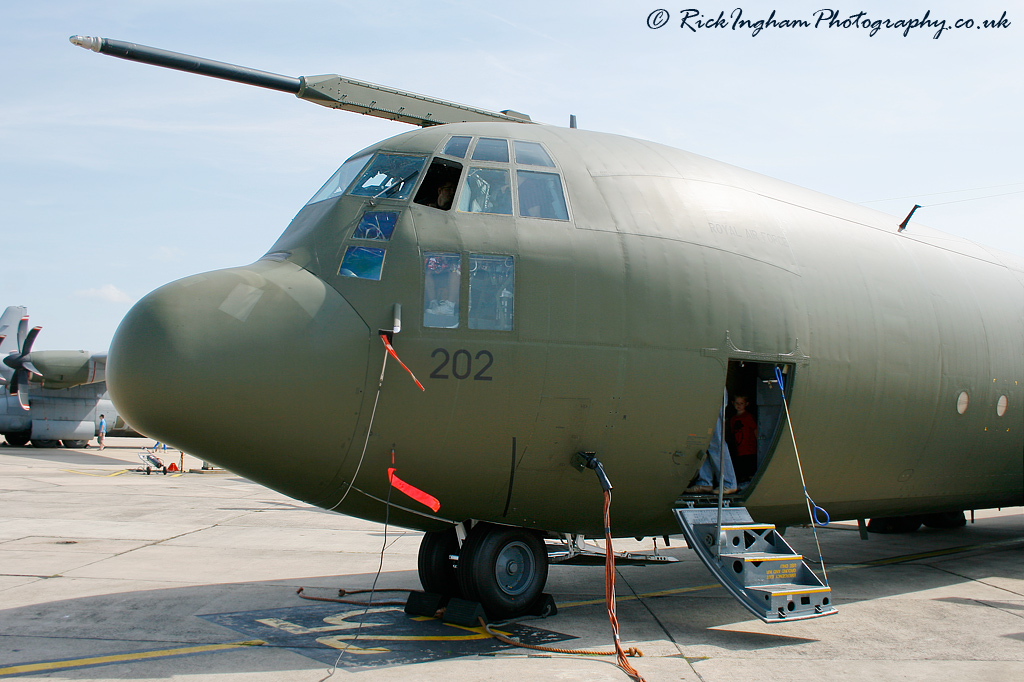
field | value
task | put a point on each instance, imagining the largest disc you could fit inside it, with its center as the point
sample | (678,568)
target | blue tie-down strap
(778,376)
(816,510)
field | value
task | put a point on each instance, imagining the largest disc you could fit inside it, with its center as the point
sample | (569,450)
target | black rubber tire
(436,569)
(45,443)
(17,440)
(74,443)
(503,568)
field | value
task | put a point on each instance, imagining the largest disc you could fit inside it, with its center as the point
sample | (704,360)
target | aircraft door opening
(753,417)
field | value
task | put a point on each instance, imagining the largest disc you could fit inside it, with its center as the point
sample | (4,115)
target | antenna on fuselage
(572,120)
(906,220)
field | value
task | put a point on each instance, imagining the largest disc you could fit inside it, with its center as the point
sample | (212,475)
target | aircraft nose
(258,369)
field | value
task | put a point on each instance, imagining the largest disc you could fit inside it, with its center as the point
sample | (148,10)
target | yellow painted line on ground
(409,638)
(124,658)
(86,473)
(622,598)
(118,473)
(938,552)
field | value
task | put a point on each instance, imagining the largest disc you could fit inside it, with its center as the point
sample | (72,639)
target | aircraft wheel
(74,443)
(17,440)
(436,569)
(894,524)
(503,568)
(945,520)
(45,443)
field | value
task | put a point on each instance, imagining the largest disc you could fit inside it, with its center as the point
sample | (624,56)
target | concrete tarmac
(107,573)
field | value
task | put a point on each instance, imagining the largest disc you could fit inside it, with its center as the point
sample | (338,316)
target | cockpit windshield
(341,179)
(389,175)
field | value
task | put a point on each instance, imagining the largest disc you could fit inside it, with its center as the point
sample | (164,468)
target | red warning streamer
(412,491)
(391,350)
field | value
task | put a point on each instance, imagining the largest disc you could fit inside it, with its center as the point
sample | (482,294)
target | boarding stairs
(755,564)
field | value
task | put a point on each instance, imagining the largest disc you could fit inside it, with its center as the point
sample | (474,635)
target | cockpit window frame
(525,151)
(404,192)
(478,149)
(513,167)
(336,179)
(451,140)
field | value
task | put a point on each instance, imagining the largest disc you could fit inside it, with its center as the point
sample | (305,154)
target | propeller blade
(26,348)
(3,379)
(23,400)
(19,360)
(15,380)
(22,331)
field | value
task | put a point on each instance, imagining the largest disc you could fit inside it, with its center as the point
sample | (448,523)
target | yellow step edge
(768,557)
(768,588)
(751,526)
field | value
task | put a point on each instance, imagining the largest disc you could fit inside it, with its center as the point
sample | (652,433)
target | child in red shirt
(743,427)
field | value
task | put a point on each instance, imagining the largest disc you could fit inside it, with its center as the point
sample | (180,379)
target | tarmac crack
(639,598)
(149,544)
(975,580)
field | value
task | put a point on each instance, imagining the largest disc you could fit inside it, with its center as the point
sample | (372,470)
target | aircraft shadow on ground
(229,612)
(985,603)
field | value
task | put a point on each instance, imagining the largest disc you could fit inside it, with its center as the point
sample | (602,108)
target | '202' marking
(461,364)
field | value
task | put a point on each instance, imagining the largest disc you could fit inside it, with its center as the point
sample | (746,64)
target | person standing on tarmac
(102,430)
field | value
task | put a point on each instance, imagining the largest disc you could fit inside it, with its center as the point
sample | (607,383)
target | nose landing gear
(501,567)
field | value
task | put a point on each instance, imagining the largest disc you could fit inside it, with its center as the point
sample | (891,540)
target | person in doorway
(102,431)
(718,451)
(743,428)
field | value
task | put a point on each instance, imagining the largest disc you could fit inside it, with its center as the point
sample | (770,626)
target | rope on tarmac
(343,592)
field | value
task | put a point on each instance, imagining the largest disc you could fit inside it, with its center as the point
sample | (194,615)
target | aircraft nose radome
(258,369)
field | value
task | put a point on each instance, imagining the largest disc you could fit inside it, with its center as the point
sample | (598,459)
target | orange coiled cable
(609,590)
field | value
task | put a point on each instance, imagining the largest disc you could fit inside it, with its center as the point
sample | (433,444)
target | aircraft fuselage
(607,328)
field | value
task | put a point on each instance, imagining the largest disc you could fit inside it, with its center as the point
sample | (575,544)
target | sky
(116,178)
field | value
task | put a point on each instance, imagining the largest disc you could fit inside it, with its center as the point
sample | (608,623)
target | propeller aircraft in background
(50,397)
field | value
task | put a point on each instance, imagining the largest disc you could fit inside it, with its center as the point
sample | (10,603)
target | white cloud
(107,292)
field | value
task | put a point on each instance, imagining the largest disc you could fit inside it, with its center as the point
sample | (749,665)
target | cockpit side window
(540,195)
(486,190)
(491,149)
(362,262)
(377,225)
(438,188)
(492,282)
(389,176)
(441,285)
(341,179)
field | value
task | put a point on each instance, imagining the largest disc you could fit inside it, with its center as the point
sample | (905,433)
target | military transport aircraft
(50,397)
(565,295)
